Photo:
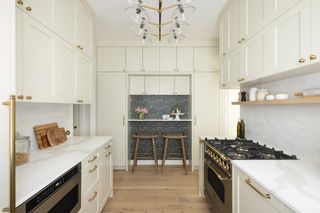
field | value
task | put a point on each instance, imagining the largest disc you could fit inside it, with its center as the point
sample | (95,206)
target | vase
(141,115)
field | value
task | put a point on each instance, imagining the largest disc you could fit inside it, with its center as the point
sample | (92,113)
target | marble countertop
(294,182)
(47,165)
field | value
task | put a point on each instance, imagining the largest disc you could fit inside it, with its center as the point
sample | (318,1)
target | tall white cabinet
(111,111)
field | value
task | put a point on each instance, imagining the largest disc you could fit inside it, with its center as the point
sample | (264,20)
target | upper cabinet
(83,79)
(184,59)
(279,36)
(84,29)
(168,59)
(235,24)
(206,59)
(134,59)
(111,59)
(151,59)
(41,10)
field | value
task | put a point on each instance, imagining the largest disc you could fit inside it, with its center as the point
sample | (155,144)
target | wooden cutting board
(56,136)
(40,132)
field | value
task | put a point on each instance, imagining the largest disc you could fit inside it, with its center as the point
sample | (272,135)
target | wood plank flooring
(147,192)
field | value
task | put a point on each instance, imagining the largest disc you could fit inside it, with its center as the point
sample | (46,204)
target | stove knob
(227,167)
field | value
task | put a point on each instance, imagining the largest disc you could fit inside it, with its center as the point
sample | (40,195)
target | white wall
(293,128)
(29,115)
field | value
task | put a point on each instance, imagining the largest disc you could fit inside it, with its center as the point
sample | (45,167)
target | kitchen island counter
(294,182)
(47,165)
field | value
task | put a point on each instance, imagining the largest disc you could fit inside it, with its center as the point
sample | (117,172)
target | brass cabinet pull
(20,97)
(20,2)
(302,60)
(243,39)
(108,147)
(223,85)
(107,155)
(239,42)
(81,48)
(265,195)
(80,101)
(94,169)
(78,46)
(224,54)
(241,79)
(28,8)
(28,97)
(313,57)
(123,120)
(94,196)
(93,159)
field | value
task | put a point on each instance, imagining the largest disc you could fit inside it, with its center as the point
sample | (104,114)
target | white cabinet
(137,86)
(250,197)
(206,99)
(315,31)
(168,59)
(235,24)
(151,85)
(166,85)
(64,19)
(224,33)
(41,10)
(151,59)
(182,85)
(206,59)
(134,59)
(83,79)
(65,59)
(38,63)
(111,59)
(106,174)
(84,29)
(234,67)
(184,59)
(111,110)
(224,73)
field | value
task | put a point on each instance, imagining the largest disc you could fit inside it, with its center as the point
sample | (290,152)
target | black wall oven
(61,196)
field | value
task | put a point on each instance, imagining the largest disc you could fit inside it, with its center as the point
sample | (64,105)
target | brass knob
(313,57)
(20,97)
(28,97)
(302,60)
(81,48)
(223,85)
(78,46)
(20,2)
(241,79)
(28,8)
(239,42)
(243,39)
(80,101)
(224,54)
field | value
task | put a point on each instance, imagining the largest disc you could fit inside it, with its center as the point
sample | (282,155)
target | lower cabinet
(250,197)
(96,180)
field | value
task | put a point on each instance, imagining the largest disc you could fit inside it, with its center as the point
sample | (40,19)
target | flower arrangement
(141,111)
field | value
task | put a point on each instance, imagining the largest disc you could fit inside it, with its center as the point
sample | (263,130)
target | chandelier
(173,29)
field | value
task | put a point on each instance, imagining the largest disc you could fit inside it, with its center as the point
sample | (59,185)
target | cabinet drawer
(90,200)
(90,160)
(89,176)
(106,148)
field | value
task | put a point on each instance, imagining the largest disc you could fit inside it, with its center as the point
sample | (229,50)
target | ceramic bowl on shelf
(281,96)
(270,97)
(165,117)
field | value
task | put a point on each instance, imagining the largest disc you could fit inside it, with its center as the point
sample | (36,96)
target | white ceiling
(112,24)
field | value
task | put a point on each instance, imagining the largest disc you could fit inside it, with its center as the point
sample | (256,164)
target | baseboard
(119,168)
(168,162)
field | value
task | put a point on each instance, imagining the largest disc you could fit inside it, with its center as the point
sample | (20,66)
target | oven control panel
(219,159)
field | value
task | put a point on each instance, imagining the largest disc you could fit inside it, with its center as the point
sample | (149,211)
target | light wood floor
(147,192)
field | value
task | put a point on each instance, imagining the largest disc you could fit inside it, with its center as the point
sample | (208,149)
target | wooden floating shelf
(158,120)
(293,101)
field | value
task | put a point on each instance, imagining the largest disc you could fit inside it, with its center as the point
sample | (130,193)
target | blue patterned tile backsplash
(157,106)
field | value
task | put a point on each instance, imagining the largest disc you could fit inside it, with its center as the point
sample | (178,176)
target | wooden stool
(147,136)
(176,136)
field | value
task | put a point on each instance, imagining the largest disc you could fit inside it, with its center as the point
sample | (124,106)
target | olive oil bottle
(241,129)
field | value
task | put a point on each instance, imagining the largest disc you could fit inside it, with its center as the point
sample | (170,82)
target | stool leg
(164,154)
(155,155)
(184,156)
(135,155)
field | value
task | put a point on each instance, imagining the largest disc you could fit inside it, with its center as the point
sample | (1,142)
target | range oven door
(217,188)
(61,196)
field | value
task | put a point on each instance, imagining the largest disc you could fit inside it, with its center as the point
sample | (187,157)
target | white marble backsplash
(292,128)
(30,114)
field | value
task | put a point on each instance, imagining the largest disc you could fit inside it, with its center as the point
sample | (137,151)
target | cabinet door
(224,73)
(41,10)
(83,79)
(38,63)
(83,29)
(64,71)
(234,68)
(206,108)
(288,40)
(64,19)
(185,59)
(182,85)
(253,18)
(134,59)
(224,33)
(151,59)
(235,24)
(315,30)
(19,55)
(168,59)
(206,59)
(137,85)
(111,59)
(152,85)
(111,108)
(166,85)
(105,176)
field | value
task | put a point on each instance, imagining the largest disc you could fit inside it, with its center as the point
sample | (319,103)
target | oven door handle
(215,171)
